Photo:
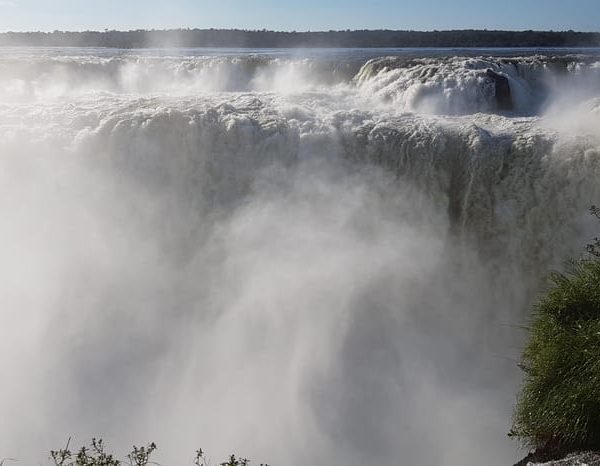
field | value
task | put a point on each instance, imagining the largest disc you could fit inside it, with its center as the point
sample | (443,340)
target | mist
(261,256)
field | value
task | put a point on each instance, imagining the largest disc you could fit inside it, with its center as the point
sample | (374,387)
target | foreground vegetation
(558,409)
(96,455)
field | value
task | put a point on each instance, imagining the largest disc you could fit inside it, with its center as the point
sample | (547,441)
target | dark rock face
(503,95)
(574,459)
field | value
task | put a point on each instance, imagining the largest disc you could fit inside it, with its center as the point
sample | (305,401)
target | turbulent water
(305,257)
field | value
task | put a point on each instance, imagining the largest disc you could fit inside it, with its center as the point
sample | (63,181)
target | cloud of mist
(573,107)
(319,318)
(31,78)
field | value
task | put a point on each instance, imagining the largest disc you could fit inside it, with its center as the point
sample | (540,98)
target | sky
(48,15)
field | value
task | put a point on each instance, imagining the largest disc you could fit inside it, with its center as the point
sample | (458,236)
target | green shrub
(558,408)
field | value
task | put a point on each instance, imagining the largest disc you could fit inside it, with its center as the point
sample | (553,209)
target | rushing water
(306,257)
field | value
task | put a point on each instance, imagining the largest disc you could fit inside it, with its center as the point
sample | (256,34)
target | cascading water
(316,258)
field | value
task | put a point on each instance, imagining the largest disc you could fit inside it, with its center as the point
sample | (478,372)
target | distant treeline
(268,39)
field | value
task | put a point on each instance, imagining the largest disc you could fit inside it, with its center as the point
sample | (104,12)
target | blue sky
(19,15)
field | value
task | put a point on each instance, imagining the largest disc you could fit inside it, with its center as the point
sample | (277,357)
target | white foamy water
(318,257)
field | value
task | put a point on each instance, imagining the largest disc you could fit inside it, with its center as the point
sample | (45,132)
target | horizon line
(307,31)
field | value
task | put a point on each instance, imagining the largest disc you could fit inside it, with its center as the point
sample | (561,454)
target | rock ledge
(574,459)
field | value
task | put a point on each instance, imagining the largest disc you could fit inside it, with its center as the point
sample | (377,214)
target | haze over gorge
(306,256)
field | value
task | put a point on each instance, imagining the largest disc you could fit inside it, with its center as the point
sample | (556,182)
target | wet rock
(503,94)
(574,459)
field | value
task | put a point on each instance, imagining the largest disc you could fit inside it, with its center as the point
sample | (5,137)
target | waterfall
(302,259)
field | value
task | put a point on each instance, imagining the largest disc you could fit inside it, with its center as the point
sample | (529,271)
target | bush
(558,409)
(96,455)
